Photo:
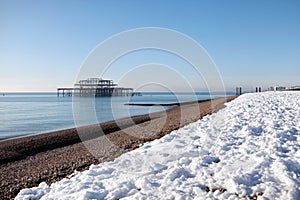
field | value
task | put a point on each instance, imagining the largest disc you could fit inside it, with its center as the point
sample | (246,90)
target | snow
(251,147)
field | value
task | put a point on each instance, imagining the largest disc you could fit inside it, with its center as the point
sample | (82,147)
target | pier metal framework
(95,87)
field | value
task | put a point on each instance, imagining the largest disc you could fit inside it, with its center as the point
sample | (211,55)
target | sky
(43,44)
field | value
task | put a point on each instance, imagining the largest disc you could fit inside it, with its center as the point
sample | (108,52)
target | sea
(24,114)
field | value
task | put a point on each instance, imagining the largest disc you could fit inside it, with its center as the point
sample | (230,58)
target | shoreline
(27,161)
(128,104)
(18,148)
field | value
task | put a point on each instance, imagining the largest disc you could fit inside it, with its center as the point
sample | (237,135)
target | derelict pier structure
(95,87)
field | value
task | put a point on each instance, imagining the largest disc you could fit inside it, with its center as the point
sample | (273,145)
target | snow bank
(252,147)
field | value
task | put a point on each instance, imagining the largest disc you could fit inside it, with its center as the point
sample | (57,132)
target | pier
(65,91)
(95,87)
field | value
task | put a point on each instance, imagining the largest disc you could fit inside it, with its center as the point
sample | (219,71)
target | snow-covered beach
(249,149)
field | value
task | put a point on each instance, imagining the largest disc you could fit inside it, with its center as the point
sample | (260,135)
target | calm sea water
(23,114)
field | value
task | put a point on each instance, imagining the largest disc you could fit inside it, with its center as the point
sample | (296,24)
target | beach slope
(248,150)
(26,162)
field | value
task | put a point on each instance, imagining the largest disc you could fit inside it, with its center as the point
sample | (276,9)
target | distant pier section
(96,87)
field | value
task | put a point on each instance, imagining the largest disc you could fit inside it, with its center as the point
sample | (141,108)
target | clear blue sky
(43,43)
